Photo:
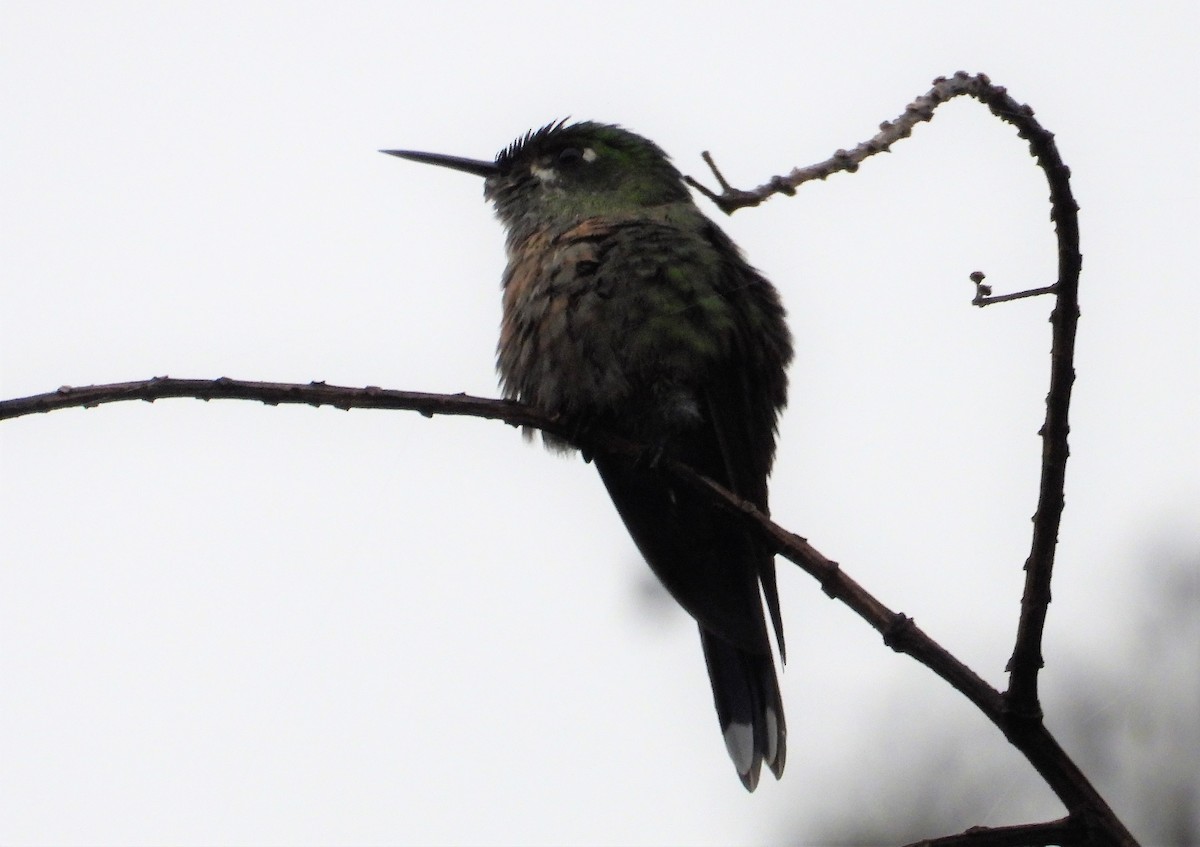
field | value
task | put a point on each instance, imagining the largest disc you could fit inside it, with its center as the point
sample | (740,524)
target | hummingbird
(626,308)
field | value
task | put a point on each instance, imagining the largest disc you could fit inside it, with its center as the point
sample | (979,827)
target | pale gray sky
(231,623)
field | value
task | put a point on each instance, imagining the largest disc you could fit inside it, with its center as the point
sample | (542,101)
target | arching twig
(1026,660)
(898,630)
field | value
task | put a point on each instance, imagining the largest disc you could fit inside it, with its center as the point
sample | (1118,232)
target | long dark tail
(713,568)
(749,707)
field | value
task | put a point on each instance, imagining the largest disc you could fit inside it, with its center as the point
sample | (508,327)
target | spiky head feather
(567,171)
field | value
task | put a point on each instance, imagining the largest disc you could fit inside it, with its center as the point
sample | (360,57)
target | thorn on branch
(829,582)
(897,631)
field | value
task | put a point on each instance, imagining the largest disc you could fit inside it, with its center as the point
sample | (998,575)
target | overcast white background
(229,623)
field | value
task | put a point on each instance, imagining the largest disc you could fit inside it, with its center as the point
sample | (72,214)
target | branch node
(781,185)
(703,189)
(897,631)
(981,290)
(829,580)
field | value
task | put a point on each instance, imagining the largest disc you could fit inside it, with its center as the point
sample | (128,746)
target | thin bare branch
(1021,701)
(275,394)
(1025,732)
(730,199)
(898,630)
(1026,660)
(1063,832)
(1019,295)
(984,296)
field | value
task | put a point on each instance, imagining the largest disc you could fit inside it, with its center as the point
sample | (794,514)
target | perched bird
(626,308)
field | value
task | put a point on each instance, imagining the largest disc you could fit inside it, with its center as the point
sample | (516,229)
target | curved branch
(899,631)
(275,394)
(1026,661)
(1062,831)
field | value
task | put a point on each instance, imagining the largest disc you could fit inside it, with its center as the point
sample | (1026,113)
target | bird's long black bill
(471,166)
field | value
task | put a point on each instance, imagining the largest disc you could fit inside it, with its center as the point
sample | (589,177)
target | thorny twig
(898,630)
(1026,659)
(1021,699)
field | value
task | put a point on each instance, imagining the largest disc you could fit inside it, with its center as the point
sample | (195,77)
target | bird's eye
(570,156)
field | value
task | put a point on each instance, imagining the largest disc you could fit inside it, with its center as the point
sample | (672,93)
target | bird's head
(569,171)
